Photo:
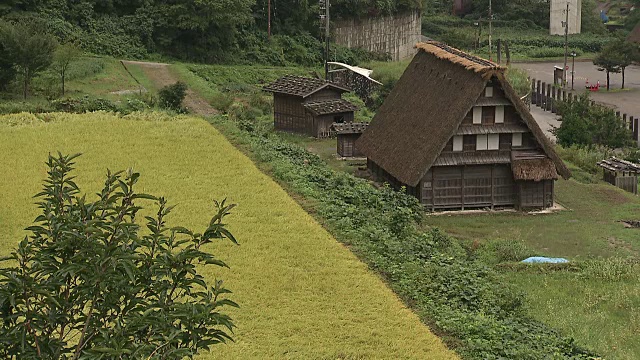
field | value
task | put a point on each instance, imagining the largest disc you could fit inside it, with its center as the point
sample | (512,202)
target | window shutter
(457,143)
(493,142)
(499,114)
(481,142)
(488,91)
(517,139)
(477,115)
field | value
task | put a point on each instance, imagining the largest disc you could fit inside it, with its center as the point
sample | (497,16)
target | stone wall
(558,16)
(395,35)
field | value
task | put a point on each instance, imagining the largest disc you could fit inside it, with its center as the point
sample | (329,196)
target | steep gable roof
(426,107)
(301,86)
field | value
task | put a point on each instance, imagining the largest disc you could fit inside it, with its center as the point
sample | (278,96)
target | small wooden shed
(347,134)
(621,173)
(309,106)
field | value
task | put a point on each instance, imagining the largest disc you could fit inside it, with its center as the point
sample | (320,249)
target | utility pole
(566,47)
(269,19)
(490,29)
(324,21)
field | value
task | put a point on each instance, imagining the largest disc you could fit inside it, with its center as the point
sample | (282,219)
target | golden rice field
(302,294)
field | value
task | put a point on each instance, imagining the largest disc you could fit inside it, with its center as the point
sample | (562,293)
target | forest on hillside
(209,30)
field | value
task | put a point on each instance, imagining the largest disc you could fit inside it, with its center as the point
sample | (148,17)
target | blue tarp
(604,17)
(542,259)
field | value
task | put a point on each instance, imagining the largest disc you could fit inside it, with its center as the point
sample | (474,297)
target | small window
(505,141)
(499,114)
(488,115)
(493,142)
(338,119)
(488,91)
(481,142)
(457,143)
(469,143)
(477,115)
(517,139)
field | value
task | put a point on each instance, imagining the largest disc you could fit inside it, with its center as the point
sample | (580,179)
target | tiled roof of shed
(300,85)
(615,164)
(350,128)
(333,106)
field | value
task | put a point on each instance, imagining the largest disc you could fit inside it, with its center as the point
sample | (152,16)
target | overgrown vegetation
(585,124)
(143,298)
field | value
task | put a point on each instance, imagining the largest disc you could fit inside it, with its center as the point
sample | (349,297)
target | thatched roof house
(308,106)
(455,133)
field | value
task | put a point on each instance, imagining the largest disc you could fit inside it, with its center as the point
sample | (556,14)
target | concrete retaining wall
(395,35)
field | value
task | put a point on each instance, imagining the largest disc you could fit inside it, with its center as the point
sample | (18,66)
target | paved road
(625,101)
(546,120)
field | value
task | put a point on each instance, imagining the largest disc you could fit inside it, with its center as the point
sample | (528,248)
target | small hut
(309,106)
(347,134)
(621,173)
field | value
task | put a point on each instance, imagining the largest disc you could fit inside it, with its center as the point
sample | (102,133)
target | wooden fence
(547,96)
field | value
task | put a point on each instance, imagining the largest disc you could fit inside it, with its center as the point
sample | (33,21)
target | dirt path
(160,75)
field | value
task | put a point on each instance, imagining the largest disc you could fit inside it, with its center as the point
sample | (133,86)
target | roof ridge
(459,57)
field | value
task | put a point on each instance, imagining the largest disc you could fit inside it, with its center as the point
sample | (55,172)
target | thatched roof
(534,169)
(426,107)
(301,86)
(333,106)
(634,35)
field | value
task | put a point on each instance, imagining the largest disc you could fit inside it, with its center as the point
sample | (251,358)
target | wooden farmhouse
(457,136)
(346,136)
(309,106)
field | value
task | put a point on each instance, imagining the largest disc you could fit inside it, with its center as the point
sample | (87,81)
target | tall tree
(608,60)
(29,48)
(627,53)
(63,57)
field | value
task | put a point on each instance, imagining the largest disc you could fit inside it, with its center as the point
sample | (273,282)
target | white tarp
(356,69)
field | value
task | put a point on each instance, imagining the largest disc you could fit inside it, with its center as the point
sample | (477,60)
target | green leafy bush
(171,96)
(84,104)
(89,283)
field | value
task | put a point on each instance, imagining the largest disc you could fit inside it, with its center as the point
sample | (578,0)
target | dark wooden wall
(473,186)
(535,194)
(347,145)
(289,114)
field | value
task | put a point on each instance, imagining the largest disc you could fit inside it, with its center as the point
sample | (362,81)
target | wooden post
(534,98)
(549,99)
(564,95)
(539,92)
(624,120)
(553,99)
(543,92)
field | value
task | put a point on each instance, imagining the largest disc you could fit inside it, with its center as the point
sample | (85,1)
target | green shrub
(85,104)
(222,101)
(498,251)
(171,96)
(14,107)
